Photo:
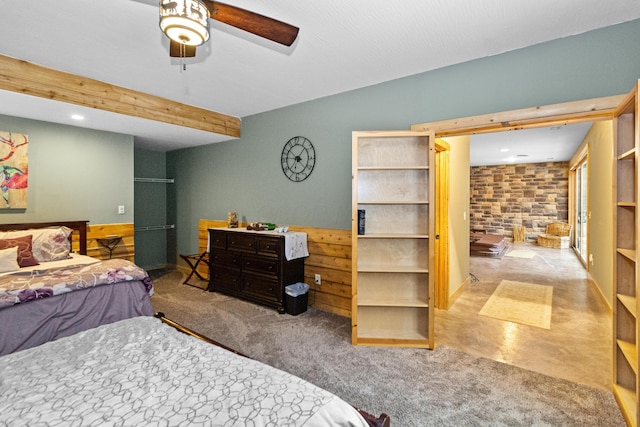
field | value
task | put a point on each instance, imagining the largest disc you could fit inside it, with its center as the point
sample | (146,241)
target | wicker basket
(559,229)
(558,236)
(519,233)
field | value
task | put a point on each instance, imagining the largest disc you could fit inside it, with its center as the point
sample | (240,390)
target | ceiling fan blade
(268,28)
(179,50)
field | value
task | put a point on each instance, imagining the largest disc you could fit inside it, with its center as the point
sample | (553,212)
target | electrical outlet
(121,210)
(318,279)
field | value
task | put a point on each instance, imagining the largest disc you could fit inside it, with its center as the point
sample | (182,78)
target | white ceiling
(342,45)
(540,145)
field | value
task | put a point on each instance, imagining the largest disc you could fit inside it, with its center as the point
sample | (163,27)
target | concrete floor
(576,348)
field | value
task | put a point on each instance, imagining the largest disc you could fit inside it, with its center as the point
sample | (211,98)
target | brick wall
(530,195)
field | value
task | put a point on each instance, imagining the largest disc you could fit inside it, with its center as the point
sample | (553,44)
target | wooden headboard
(78,226)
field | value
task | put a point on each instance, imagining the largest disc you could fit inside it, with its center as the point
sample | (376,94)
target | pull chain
(183,54)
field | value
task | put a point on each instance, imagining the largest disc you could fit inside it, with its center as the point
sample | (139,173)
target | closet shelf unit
(392,261)
(154,181)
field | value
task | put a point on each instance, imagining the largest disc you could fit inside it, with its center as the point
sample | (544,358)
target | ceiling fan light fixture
(185,21)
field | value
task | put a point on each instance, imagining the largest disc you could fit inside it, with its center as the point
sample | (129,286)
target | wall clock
(298,158)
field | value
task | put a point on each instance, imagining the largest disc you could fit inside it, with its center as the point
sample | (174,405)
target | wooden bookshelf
(393,261)
(626,329)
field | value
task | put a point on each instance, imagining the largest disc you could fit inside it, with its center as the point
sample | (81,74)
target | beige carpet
(521,253)
(519,302)
(416,387)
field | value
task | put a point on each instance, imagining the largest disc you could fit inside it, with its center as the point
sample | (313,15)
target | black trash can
(296,298)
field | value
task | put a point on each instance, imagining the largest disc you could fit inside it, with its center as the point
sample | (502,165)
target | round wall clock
(298,158)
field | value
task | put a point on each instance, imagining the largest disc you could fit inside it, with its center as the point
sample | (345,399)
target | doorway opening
(519,180)
(558,115)
(591,110)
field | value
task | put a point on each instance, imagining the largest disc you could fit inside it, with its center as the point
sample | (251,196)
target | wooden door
(441,174)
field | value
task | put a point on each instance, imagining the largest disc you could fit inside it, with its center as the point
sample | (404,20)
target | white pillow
(9,260)
(48,244)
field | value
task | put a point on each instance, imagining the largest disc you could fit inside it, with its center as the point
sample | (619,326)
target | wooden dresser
(251,265)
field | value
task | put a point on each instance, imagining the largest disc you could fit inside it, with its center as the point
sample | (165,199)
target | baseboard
(159,267)
(456,294)
(592,282)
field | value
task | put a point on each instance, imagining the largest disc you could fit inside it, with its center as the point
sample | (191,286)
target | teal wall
(245,176)
(151,209)
(78,173)
(74,174)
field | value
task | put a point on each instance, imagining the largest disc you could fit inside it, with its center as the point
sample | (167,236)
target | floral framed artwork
(14,170)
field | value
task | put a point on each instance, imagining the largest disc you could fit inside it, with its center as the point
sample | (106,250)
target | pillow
(9,260)
(25,254)
(49,244)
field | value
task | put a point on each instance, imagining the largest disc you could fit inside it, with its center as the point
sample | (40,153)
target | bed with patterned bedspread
(140,371)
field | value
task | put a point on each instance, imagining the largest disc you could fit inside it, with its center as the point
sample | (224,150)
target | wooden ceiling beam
(31,79)
(549,115)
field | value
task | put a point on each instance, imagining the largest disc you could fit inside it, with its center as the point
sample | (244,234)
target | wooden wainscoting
(329,256)
(125,249)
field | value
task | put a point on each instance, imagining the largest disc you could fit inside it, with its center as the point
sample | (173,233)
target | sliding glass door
(581,215)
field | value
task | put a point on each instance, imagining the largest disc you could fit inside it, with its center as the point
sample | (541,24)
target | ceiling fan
(186,23)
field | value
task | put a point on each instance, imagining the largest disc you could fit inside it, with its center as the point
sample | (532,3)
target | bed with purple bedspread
(24,286)
(64,293)
(44,304)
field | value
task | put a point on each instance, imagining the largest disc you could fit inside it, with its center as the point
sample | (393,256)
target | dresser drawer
(226,259)
(225,278)
(263,265)
(268,245)
(262,286)
(241,242)
(218,239)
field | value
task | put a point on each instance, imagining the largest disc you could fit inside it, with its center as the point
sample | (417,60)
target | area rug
(521,253)
(525,303)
